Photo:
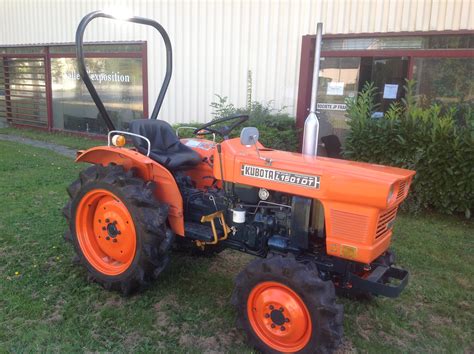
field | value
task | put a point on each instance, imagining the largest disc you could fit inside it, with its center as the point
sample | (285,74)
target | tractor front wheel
(284,306)
(117,227)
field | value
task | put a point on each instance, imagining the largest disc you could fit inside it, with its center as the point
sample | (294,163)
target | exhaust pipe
(311,124)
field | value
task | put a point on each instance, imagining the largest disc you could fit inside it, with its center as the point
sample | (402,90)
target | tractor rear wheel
(117,227)
(284,306)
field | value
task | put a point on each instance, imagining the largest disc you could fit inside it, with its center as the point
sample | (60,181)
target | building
(216,45)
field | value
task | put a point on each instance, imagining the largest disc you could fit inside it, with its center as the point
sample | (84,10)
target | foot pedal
(200,232)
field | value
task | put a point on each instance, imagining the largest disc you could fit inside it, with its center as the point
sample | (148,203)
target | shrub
(429,140)
(277,129)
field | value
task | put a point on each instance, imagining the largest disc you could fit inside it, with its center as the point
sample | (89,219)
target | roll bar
(82,66)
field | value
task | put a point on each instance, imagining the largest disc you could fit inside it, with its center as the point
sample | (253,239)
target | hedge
(428,139)
(277,129)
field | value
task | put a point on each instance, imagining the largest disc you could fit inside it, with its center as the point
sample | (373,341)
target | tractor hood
(315,177)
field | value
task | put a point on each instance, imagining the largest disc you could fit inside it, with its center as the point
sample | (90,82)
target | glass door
(338,80)
(388,75)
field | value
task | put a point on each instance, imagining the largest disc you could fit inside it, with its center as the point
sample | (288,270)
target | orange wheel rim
(105,232)
(279,317)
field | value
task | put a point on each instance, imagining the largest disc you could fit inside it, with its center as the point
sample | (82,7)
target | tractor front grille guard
(85,76)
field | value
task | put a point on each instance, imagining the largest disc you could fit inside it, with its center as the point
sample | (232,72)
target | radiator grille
(401,190)
(386,218)
(353,227)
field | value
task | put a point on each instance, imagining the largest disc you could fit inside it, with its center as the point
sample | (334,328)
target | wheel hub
(277,317)
(112,229)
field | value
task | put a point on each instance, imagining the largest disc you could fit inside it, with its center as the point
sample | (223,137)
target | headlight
(390,194)
(118,140)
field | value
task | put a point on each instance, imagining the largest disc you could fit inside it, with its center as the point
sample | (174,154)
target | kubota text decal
(280,176)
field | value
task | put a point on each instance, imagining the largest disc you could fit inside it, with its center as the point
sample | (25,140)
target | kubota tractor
(314,223)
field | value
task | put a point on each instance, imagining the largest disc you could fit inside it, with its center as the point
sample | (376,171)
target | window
(442,65)
(28,96)
(409,42)
(118,82)
(99,48)
(388,75)
(22,50)
(338,79)
(373,43)
(446,80)
(23,91)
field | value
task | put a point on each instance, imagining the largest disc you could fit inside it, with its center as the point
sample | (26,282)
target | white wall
(216,42)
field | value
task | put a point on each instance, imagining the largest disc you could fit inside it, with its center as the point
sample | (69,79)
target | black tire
(318,296)
(153,239)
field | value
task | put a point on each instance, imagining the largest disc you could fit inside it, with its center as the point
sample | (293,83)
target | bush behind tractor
(315,224)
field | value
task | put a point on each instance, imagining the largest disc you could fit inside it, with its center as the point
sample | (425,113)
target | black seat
(166,149)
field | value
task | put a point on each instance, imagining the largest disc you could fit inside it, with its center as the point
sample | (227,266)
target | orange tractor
(315,224)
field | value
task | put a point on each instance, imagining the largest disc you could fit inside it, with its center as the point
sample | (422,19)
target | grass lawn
(48,305)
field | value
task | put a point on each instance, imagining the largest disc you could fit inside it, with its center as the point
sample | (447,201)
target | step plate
(200,232)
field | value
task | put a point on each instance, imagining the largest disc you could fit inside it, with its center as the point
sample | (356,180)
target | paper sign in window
(390,91)
(335,88)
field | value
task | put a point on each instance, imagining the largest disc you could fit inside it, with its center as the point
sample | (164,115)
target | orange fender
(167,190)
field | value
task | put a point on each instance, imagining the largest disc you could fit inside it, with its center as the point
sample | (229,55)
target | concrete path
(59,149)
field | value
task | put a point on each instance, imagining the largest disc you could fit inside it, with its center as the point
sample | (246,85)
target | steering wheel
(223,131)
